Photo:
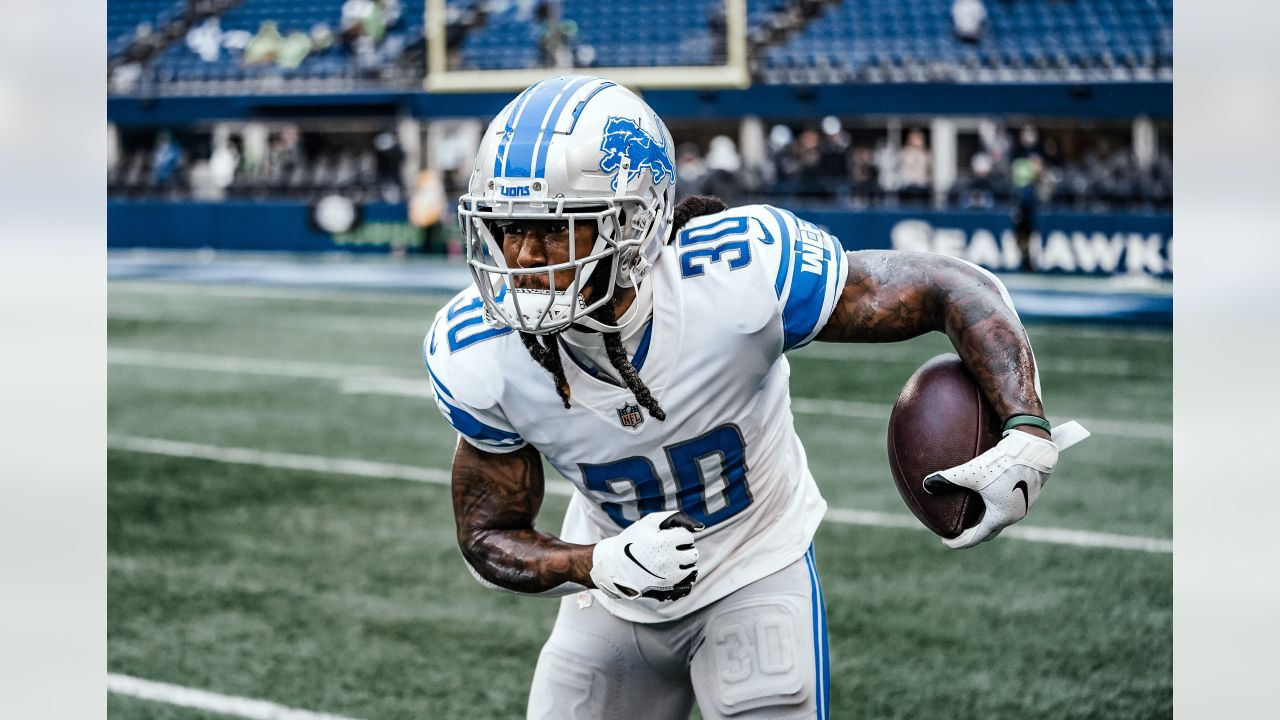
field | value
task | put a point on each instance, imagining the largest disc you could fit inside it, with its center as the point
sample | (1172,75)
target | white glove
(653,558)
(1008,477)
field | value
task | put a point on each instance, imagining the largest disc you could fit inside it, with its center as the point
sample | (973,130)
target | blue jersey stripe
(819,633)
(783,265)
(808,291)
(463,421)
(435,381)
(527,129)
(467,424)
(637,362)
(826,648)
(642,352)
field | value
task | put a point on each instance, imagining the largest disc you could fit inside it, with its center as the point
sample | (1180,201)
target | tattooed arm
(495,500)
(891,296)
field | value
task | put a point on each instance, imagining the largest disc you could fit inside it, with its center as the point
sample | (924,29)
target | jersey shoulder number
(802,264)
(465,382)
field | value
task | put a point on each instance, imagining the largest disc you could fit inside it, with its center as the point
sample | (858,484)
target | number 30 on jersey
(695,493)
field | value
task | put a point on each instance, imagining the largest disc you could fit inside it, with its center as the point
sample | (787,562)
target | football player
(639,348)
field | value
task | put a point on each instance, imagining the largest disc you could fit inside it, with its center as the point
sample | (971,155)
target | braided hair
(547,352)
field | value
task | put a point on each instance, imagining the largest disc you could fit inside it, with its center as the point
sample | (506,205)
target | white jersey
(731,293)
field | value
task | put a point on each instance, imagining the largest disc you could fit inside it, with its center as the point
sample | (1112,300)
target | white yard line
(209,701)
(437,476)
(222,290)
(298,369)
(424,299)
(286,461)
(376,380)
(404,328)
(402,387)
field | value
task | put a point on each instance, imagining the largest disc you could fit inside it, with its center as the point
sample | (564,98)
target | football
(940,420)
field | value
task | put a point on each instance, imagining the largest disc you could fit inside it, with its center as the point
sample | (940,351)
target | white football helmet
(576,148)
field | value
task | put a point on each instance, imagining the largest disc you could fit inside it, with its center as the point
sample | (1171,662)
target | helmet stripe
(552,124)
(499,159)
(552,121)
(583,105)
(518,162)
(541,170)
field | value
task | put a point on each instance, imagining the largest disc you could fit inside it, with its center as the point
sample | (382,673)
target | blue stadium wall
(1072,243)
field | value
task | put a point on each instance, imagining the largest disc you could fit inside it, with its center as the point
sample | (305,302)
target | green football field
(280,527)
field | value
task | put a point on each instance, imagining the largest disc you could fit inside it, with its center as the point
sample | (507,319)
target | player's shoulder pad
(464,361)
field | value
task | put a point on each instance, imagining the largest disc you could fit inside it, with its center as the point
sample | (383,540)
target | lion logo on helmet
(623,137)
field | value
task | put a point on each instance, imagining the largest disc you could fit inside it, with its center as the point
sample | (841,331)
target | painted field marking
(358,324)
(435,299)
(400,387)
(209,701)
(375,380)
(437,476)
(295,369)
(240,292)
(416,297)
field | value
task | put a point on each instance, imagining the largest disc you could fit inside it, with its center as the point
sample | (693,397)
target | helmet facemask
(623,223)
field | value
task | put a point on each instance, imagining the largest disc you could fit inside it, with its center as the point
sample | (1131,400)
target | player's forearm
(991,342)
(892,296)
(496,498)
(526,561)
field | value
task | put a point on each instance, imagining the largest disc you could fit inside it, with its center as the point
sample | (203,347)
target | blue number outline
(736,226)
(692,493)
(683,460)
(459,309)
(603,477)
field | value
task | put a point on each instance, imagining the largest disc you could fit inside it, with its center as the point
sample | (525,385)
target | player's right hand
(653,558)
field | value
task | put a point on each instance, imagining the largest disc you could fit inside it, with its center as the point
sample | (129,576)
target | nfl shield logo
(630,417)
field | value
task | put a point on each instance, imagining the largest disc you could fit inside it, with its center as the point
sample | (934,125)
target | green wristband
(1016,420)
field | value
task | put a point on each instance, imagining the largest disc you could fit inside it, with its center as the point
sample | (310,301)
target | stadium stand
(287,44)
(627,34)
(792,41)
(128,21)
(231,54)
(913,40)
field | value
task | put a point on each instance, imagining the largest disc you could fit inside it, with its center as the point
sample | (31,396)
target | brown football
(940,420)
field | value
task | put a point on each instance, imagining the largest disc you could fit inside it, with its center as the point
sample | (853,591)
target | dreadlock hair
(618,359)
(548,356)
(695,206)
(547,353)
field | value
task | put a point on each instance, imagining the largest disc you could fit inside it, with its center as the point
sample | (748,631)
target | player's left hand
(1009,477)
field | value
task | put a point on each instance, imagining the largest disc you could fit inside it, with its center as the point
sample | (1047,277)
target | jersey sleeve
(809,272)
(477,420)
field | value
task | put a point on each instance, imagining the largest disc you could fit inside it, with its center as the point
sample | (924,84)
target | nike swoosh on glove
(1008,477)
(654,558)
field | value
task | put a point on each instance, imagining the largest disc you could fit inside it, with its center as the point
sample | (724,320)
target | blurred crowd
(286,163)
(359,39)
(825,164)
(996,167)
